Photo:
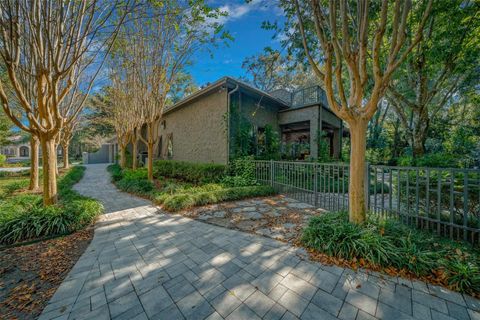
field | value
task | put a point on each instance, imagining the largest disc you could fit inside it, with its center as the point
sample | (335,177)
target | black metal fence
(443,200)
(308,96)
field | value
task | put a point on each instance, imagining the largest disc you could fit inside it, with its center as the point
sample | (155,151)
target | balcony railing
(308,96)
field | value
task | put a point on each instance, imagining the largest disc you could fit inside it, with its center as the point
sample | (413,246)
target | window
(170,146)
(23,151)
(261,142)
(160,147)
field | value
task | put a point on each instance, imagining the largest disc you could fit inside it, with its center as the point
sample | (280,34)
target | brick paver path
(143,264)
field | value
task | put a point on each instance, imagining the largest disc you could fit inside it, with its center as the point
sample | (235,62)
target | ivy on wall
(248,140)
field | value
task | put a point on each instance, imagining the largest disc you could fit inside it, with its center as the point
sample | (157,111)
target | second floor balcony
(309,96)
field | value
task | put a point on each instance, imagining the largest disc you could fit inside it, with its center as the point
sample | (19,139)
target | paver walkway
(144,264)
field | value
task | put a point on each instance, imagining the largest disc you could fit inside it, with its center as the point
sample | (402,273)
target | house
(207,125)
(17,149)
(214,123)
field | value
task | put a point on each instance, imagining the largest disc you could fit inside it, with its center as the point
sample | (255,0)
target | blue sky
(244,24)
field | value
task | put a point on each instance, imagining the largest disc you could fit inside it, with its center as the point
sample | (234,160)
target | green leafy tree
(354,48)
(446,61)
(270,70)
(153,50)
(5,128)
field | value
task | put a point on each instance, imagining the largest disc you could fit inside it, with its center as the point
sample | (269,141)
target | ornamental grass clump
(24,217)
(181,201)
(382,243)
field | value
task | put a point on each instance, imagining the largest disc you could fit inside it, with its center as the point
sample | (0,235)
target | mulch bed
(30,274)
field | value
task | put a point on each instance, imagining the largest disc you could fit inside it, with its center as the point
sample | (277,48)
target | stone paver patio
(275,217)
(144,264)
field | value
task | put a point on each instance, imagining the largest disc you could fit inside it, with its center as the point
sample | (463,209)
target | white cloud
(237,11)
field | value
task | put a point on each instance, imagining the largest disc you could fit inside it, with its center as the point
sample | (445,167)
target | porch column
(314,139)
(337,140)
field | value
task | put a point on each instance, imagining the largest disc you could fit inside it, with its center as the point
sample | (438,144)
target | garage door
(101,156)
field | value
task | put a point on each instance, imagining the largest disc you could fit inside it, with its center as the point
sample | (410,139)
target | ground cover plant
(23,217)
(387,244)
(181,185)
(190,172)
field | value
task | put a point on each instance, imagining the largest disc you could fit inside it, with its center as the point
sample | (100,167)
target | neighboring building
(207,125)
(204,126)
(17,150)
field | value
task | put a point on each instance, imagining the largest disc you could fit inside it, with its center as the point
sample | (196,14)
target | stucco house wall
(198,130)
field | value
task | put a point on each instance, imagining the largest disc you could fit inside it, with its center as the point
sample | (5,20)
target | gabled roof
(228,82)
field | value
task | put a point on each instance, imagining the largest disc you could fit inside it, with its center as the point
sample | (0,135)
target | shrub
(238,181)
(138,174)
(189,172)
(435,160)
(3,159)
(389,243)
(11,174)
(241,173)
(116,172)
(187,200)
(28,219)
(376,187)
(133,181)
(11,187)
(137,186)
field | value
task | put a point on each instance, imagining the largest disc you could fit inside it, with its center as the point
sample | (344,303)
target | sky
(244,24)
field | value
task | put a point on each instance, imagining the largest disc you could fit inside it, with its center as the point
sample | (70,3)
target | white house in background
(18,149)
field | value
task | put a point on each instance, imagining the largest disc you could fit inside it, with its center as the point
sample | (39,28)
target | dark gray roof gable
(223,81)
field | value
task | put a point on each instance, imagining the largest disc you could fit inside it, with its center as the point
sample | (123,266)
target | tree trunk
(418,147)
(123,160)
(57,172)
(49,158)
(420,137)
(66,163)
(150,161)
(134,153)
(356,190)
(33,163)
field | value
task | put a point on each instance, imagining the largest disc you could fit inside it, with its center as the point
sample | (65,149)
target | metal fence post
(367,185)
(271,172)
(315,184)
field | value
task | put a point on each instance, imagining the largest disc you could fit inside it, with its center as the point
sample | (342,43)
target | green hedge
(9,174)
(174,195)
(190,172)
(181,201)
(133,181)
(389,243)
(25,217)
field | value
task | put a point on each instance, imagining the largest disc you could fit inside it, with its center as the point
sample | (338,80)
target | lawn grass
(387,244)
(23,216)
(8,185)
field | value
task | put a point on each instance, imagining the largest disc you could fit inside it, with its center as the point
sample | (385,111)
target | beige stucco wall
(198,129)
